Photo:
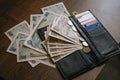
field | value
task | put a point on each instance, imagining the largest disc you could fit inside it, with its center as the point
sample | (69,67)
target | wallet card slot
(91,57)
(96,31)
(102,40)
(86,36)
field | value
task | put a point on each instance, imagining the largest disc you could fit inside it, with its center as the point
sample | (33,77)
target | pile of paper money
(49,37)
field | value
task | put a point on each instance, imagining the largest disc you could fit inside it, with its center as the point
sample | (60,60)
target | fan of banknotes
(50,37)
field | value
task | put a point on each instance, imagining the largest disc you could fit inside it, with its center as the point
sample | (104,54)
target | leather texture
(102,45)
(74,64)
(102,40)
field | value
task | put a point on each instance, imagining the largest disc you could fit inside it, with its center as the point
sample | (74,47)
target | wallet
(102,46)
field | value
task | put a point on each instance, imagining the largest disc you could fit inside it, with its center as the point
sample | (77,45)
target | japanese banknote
(48,39)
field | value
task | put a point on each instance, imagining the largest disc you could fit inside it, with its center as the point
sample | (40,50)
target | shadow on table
(111,70)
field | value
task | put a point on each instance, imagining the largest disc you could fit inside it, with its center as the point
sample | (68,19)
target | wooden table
(14,11)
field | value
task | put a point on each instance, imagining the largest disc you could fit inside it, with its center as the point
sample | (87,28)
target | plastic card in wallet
(101,43)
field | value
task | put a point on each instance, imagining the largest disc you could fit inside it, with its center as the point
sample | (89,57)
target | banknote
(57,45)
(13,46)
(34,19)
(21,27)
(44,45)
(46,61)
(52,40)
(59,51)
(34,63)
(58,8)
(25,54)
(53,51)
(56,35)
(45,35)
(48,18)
(33,41)
(59,57)
(63,28)
(49,38)
(64,46)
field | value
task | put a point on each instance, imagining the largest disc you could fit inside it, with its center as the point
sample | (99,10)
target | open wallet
(101,43)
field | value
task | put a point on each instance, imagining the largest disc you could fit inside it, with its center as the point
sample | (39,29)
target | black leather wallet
(102,46)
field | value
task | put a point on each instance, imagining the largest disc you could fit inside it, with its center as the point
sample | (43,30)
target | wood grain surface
(13,12)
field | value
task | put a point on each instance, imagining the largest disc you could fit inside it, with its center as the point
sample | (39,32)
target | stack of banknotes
(48,38)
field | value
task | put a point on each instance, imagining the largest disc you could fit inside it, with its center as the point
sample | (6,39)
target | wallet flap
(74,64)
